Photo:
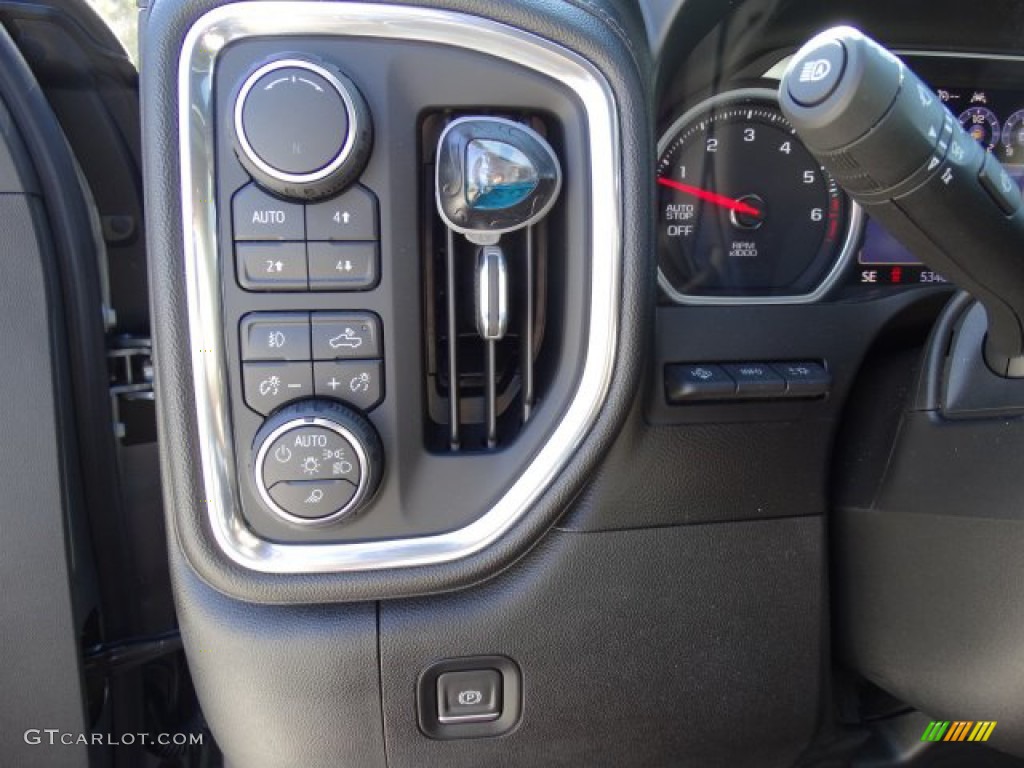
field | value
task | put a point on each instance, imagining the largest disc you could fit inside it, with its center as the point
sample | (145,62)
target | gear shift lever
(494,177)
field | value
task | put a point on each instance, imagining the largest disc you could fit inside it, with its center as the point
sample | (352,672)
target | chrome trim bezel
(277,173)
(230,23)
(361,488)
(854,227)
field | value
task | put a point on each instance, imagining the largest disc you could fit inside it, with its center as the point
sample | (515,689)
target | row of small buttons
(686,382)
(332,266)
(310,336)
(327,246)
(350,216)
(289,356)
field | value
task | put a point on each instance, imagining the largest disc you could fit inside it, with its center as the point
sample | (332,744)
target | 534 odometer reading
(745,212)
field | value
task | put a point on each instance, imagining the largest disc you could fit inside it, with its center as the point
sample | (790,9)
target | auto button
(258,216)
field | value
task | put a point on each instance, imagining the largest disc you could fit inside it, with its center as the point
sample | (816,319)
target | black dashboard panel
(414,498)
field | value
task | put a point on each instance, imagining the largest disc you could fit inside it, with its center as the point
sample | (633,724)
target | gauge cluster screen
(995,118)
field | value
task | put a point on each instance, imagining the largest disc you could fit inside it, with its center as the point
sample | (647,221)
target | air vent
(481,394)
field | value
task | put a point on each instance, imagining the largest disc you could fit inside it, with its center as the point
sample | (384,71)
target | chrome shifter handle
(494,176)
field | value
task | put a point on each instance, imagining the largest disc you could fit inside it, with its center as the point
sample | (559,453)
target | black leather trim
(610,35)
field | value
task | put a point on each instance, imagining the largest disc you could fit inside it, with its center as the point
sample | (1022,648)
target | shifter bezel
(219,32)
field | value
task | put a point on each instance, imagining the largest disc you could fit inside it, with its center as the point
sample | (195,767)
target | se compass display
(745,213)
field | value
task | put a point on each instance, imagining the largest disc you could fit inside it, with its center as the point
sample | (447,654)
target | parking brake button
(469,697)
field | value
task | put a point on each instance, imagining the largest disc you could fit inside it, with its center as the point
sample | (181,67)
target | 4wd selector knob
(317,462)
(303,128)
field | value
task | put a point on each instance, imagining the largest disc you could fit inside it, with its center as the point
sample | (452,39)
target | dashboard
(344,438)
(747,215)
(554,362)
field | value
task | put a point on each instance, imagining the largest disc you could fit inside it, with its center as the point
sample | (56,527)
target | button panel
(289,356)
(724,382)
(332,245)
(469,698)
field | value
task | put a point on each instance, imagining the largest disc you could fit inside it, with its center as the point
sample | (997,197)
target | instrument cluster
(747,216)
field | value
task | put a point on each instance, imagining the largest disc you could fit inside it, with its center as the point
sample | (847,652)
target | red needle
(711,197)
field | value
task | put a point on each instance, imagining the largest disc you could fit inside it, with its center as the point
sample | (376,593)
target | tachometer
(746,214)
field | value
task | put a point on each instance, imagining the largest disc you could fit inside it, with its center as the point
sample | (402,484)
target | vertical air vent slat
(454,417)
(526,324)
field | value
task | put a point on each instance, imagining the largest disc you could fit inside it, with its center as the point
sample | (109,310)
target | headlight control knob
(302,128)
(317,463)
